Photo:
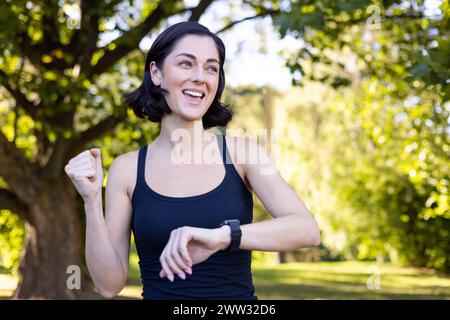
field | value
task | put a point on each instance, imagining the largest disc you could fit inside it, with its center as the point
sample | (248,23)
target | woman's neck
(188,135)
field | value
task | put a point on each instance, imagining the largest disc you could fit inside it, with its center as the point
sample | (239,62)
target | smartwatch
(236,234)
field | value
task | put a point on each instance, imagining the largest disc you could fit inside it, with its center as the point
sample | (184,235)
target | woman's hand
(85,171)
(188,246)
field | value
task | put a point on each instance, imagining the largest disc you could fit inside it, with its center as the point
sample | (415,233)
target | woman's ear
(154,74)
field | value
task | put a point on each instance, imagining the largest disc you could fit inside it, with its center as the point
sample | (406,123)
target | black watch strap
(236,234)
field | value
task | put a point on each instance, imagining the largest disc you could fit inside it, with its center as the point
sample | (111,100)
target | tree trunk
(53,243)
(282,257)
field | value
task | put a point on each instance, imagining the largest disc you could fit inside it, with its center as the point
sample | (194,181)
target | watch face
(230,222)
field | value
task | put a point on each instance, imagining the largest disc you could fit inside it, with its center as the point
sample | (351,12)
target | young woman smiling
(191,220)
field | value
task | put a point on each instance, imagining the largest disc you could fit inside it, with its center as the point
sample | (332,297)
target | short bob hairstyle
(148,100)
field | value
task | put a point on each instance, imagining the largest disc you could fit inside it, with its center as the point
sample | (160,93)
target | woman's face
(193,64)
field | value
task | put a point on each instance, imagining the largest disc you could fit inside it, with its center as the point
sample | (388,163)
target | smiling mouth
(189,95)
(193,99)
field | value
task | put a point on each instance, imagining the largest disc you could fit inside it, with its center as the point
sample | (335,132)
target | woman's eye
(189,64)
(182,62)
(214,68)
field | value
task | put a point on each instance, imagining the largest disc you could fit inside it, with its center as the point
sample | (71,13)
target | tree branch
(10,202)
(20,98)
(34,51)
(128,41)
(88,33)
(96,132)
(197,12)
(262,14)
(50,27)
(17,171)
(57,159)
(30,51)
(406,15)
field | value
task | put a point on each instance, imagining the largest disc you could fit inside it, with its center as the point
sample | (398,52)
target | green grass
(321,280)
(347,280)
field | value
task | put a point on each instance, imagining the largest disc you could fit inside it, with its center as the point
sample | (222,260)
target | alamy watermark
(374,20)
(253,146)
(374,280)
(73,281)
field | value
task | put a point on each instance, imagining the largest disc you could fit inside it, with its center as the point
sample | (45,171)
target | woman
(192,222)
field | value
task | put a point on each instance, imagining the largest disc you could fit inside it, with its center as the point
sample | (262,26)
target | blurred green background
(355,96)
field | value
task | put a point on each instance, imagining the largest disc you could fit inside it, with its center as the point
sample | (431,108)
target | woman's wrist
(93,203)
(224,237)
(94,199)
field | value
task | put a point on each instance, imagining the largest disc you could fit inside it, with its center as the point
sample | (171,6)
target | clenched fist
(85,171)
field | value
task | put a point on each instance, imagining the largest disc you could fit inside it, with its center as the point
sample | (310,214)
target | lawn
(320,280)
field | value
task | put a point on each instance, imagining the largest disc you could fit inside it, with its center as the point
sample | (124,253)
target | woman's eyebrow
(194,58)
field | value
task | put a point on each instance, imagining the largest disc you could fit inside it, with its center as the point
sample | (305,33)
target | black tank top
(223,275)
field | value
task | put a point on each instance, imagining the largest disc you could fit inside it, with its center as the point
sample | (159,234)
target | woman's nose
(198,74)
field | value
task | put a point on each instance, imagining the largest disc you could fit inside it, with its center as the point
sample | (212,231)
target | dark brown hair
(148,100)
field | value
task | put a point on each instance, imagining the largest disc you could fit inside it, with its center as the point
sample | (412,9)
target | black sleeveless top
(223,275)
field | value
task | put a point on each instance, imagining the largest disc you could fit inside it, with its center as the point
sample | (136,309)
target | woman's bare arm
(108,237)
(293,226)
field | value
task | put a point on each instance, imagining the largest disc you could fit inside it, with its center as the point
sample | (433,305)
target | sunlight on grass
(320,280)
(7,285)
(347,280)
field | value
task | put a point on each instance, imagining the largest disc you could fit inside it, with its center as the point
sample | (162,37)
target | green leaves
(12,234)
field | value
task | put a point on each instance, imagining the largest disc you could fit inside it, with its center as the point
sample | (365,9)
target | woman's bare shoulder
(237,149)
(126,165)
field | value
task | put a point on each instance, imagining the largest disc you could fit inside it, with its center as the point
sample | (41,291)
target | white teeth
(193,93)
